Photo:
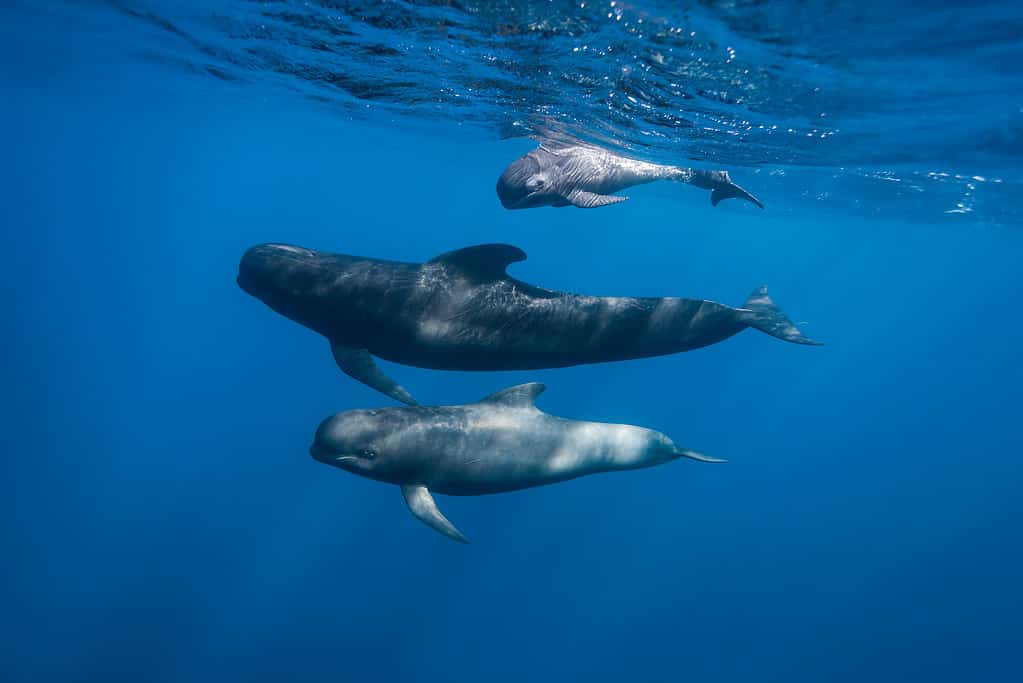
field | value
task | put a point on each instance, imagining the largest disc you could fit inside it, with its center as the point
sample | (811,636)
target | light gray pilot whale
(461,311)
(558,174)
(501,443)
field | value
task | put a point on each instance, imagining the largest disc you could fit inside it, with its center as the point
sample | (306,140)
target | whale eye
(367,453)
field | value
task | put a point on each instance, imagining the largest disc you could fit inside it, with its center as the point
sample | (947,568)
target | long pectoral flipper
(358,364)
(592,200)
(421,505)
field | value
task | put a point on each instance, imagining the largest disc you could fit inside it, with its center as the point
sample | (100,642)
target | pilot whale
(557,174)
(501,443)
(461,311)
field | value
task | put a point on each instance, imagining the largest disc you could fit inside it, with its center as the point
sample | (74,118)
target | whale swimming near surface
(559,174)
(501,443)
(462,311)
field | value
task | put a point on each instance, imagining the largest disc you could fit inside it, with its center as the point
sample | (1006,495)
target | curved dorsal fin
(484,260)
(518,395)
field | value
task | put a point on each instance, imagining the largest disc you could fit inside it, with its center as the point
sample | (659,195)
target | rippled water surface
(916,104)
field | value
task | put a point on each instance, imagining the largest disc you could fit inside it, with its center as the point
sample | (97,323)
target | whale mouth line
(332,457)
(324,454)
(523,202)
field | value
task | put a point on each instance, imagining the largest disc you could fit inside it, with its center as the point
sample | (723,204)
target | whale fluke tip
(720,184)
(693,455)
(730,191)
(761,312)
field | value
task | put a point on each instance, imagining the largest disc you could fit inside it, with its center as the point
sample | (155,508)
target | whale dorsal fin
(484,260)
(518,395)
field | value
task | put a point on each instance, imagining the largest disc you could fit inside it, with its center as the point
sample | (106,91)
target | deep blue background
(164,521)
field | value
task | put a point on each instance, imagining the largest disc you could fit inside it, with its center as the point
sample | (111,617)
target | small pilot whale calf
(461,311)
(501,443)
(556,174)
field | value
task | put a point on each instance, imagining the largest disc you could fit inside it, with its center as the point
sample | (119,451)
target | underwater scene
(523,340)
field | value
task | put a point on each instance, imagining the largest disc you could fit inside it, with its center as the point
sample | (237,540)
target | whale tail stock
(761,312)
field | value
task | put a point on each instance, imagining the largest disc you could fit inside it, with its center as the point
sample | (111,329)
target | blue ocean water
(164,521)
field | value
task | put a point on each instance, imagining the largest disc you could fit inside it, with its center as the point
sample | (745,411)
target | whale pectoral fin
(591,200)
(421,505)
(358,364)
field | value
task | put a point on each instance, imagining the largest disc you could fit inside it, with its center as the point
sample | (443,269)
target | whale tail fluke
(732,191)
(719,183)
(693,455)
(762,313)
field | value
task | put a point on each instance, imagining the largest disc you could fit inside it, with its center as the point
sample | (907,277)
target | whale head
(267,269)
(286,278)
(364,442)
(526,184)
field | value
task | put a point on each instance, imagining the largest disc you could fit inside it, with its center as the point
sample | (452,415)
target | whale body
(558,174)
(501,443)
(462,311)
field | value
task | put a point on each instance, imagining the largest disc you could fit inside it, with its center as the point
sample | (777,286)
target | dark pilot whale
(461,311)
(502,443)
(556,174)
